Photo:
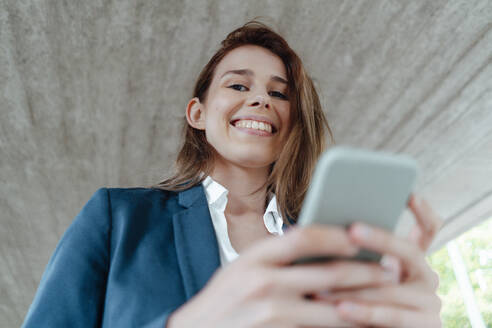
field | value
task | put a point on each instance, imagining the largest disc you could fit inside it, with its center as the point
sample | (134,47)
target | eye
(238,87)
(278,95)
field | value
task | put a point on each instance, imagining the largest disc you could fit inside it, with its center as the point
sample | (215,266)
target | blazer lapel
(195,240)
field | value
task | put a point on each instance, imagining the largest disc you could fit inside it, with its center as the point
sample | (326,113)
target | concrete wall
(92,94)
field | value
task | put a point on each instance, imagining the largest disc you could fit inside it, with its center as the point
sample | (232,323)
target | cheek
(222,108)
(215,114)
(285,116)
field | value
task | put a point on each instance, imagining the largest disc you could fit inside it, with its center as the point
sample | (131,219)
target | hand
(428,222)
(262,289)
(413,302)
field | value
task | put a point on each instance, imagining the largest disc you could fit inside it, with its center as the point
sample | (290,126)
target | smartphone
(350,185)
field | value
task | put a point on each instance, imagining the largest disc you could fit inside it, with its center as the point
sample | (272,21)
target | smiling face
(246,112)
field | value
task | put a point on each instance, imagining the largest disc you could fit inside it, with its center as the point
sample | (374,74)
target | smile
(255,125)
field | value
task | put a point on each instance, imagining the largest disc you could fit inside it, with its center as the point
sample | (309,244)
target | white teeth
(254,125)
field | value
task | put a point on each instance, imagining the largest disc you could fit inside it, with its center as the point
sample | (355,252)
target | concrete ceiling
(92,94)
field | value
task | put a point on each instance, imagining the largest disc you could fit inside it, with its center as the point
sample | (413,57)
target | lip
(255,132)
(255,118)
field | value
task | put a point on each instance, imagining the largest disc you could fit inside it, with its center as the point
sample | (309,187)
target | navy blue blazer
(130,258)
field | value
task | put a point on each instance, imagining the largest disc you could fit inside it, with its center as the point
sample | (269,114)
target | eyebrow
(249,72)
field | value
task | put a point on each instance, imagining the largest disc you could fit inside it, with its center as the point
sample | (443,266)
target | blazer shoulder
(135,200)
(137,193)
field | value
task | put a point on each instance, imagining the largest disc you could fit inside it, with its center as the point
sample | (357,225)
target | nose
(260,101)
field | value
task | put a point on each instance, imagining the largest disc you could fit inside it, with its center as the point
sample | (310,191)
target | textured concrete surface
(91,94)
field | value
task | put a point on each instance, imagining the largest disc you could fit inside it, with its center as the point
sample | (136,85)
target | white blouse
(217,200)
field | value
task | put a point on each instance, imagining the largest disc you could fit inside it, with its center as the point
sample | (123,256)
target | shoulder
(111,201)
(131,199)
(132,195)
(136,194)
(124,215)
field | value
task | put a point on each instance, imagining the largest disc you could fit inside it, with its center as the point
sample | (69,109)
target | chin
(250,157)
(254,164)
(254,160)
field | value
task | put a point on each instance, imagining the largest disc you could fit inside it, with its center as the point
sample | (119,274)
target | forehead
(260,60)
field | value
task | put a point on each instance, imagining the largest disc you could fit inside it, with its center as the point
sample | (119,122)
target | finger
(386,316)
(297,313)
(308,279)
(382,241)
(408,296)
(415,236)
(392,264)
(298,242)
(427,220)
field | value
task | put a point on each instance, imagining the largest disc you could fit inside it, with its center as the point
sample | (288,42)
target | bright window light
(465,270)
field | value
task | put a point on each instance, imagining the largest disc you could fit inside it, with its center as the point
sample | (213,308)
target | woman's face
(247,108)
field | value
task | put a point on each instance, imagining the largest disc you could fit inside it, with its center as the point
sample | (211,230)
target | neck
(243,184)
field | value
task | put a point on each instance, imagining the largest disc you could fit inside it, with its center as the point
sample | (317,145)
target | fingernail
(389,263)
(391,269)
(386,262)
(362,231)
(389,276)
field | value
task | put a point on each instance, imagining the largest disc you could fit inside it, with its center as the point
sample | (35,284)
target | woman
(150,257)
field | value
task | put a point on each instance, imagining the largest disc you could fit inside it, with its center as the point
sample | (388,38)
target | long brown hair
(290,175)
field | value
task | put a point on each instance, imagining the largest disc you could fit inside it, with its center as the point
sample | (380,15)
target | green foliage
(453,313)
(471,244)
